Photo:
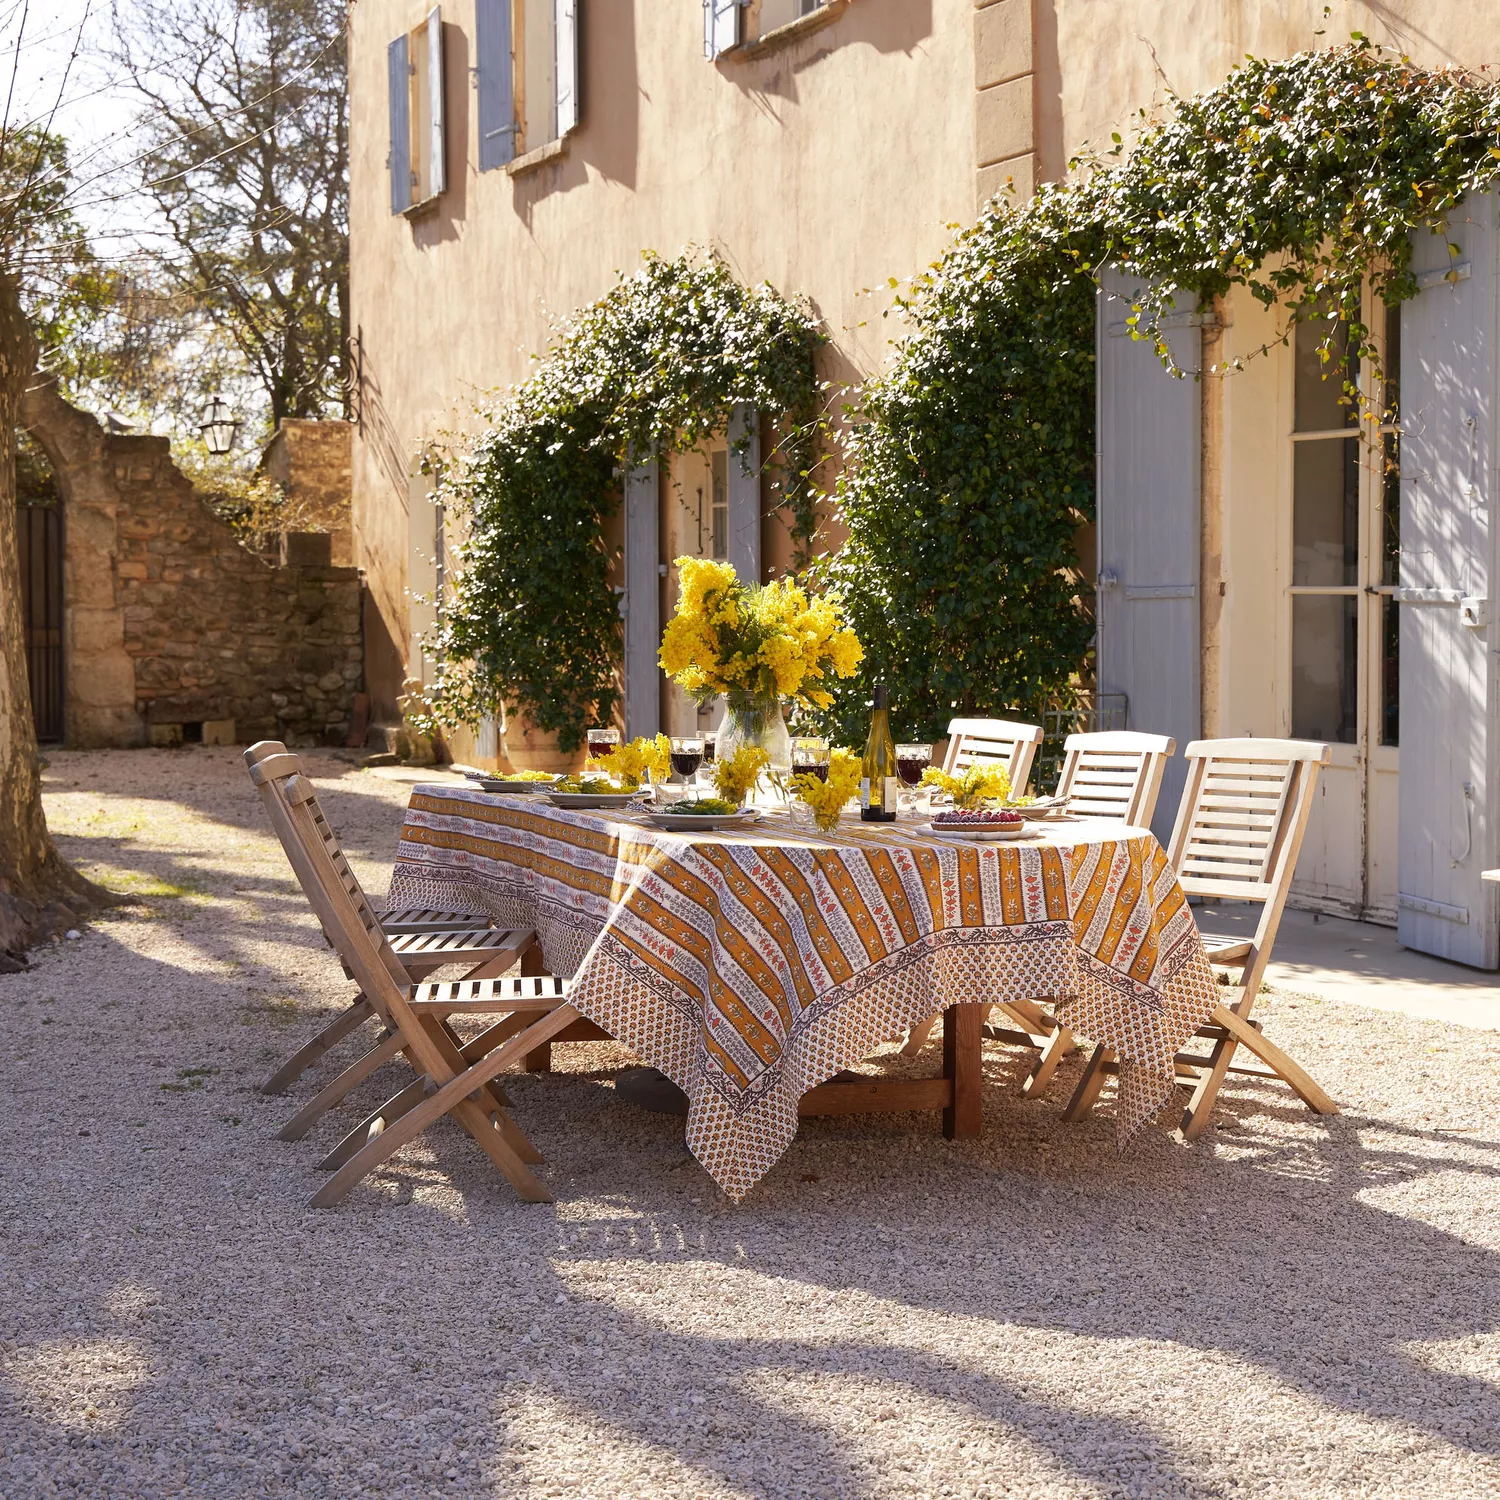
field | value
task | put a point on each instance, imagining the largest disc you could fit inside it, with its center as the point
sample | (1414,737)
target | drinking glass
(911,761)
(603,743)
(687,755)
(810,754)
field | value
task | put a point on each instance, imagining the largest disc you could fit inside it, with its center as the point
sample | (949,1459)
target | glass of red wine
(810,754)
(603,742)
(911,761)
(687,755)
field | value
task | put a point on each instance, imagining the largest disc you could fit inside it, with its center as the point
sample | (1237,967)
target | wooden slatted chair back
(1240,827)
(1115,775)
(271,765)
(994,741)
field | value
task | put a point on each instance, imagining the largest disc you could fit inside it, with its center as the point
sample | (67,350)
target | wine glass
(911,761)
(810,754)
(687,755)
(710,738)
(603,742)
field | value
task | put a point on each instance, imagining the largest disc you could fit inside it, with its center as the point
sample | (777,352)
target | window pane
(1319,387)
(1390,510)
(1392,361)
(721,506)
(1325,632)
(1390,676)
(1325,512)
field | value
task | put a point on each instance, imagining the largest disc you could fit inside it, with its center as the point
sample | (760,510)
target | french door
(1345,565)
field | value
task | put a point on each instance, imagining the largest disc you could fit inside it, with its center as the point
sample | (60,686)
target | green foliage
(971,462)
(653,367)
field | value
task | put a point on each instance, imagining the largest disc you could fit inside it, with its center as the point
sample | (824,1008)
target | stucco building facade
(827,149)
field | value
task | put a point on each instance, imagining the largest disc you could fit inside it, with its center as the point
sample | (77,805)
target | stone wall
(310,460)
(172,628)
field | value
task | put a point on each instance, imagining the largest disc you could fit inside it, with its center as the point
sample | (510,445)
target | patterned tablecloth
(750,967)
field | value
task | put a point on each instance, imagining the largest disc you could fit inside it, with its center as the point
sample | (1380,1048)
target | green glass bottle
(879,784)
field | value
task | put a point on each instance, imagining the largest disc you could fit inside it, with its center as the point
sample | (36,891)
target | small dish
(583,801)
(510,788)
(702,822)
(976,833)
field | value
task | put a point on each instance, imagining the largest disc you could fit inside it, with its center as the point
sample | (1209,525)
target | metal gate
(39,532)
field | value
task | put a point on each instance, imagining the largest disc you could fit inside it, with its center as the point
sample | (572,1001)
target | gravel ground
(1288,1307)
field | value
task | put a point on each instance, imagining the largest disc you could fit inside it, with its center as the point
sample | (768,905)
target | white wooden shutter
(744,493)
(1445,821)
(1149,472)
(495,76)
(565,72)
(398,86)
(436,121)
(721,26)
(642,601)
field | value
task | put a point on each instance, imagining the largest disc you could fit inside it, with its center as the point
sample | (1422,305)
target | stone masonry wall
(216,633)
(311,461)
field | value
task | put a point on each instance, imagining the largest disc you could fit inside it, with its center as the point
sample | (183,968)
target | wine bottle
(879,784)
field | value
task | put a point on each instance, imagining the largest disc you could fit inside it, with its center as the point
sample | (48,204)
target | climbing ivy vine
(970,461)
(652,368)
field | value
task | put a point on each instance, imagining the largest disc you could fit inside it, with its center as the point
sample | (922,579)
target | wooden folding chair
(987,741)
(1114,775)
(487,950)
(1239,828)
(974,742)
(455,1077)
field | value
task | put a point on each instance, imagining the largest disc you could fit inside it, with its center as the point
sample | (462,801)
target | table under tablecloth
(751,966)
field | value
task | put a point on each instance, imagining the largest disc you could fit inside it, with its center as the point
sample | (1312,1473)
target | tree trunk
(39,894)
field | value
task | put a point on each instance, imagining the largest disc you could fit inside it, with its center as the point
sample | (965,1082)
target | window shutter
(398,82)
(642,600)
(1450,689)
(721,26)
(1150,428)
(565,38)
(744,493)
(497,84)
(436,114)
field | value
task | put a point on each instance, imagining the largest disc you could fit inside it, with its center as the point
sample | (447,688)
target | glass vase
(751,720)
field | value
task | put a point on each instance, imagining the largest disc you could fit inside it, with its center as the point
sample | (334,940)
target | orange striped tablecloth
(750,967)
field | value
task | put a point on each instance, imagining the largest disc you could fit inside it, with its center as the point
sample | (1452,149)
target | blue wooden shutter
(437,114)
(1149,476)
(721,26)
(497,84)
(744,493)
(565,63)
(642,600)
(1449,699)
(398,83)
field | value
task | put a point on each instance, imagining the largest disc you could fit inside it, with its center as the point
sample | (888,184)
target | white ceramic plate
(975,833)
(702,822)
(499,784)
(582,801)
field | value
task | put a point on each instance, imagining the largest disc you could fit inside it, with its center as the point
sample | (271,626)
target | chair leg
(352,1076)
(1059,1045)
(454,1096)
(299,1062)
(1088,1086)
(918,1037)
(1241,1033)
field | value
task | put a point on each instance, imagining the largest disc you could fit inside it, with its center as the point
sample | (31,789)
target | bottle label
(892,798)
(864,793)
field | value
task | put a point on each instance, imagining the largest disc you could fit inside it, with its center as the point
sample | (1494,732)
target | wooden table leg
(539,1060)
(963,1039)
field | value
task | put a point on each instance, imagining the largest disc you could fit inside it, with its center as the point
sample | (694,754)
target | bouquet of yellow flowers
(633,759)
(980,783)
(827,799)
(736,776)
(771,641)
